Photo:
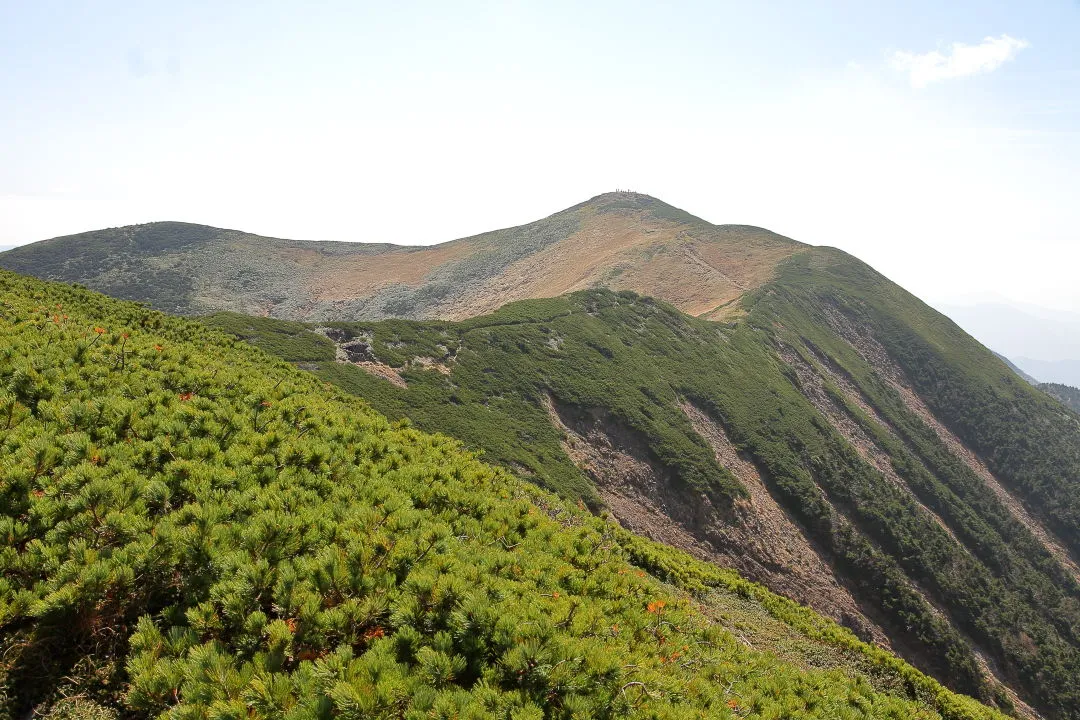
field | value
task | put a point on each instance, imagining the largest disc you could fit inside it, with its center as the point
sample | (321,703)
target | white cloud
(960,60)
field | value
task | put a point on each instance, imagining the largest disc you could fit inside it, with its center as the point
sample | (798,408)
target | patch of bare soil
(357,351)
(429,363)
(755,537)
(775,535)
(878,358)
(383,371)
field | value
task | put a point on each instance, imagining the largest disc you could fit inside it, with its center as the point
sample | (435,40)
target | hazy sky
(938,141)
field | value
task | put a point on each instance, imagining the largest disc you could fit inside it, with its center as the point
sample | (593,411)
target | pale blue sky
(956,174)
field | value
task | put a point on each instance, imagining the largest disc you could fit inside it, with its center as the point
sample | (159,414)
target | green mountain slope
(194,529)
(1013,366)
(616,240)
(842,443)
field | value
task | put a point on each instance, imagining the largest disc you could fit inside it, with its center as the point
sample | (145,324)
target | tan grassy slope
(616,240)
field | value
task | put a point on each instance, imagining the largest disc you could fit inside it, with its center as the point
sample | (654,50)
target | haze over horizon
(939,144)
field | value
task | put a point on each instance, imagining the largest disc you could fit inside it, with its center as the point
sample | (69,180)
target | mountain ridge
(776,407)
(617,240)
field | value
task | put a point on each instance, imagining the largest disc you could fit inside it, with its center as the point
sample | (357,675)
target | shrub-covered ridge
(195,530)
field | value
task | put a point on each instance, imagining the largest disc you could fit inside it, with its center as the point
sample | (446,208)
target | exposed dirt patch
(429,363)
(383,371)
(853,394)
(756,537)
(805,576)
(358,351)
(728,456)
(878,358)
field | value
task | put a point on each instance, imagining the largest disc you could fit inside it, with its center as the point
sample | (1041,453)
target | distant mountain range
(1045,343)
(1063,371)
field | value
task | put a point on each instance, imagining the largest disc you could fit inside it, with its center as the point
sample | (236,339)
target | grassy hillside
(617,240)
(193,528)
(937,487)
(1016,369)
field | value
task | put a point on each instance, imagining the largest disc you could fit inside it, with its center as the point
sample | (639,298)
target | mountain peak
(621,240)
(628,200)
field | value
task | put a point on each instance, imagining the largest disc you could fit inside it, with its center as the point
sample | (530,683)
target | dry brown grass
(694,268)
(358,276)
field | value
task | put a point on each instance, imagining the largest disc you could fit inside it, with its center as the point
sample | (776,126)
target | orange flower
(186,396)
(158,348)
(99,330)
(655,607)
(733,704)
(265,403)
(555,595)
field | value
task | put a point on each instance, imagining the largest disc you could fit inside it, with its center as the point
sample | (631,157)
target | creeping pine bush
(193,530)
(631,363)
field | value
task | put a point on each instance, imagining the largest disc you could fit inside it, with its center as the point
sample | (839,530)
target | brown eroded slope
(754,535)
(877,357)
(624,241)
